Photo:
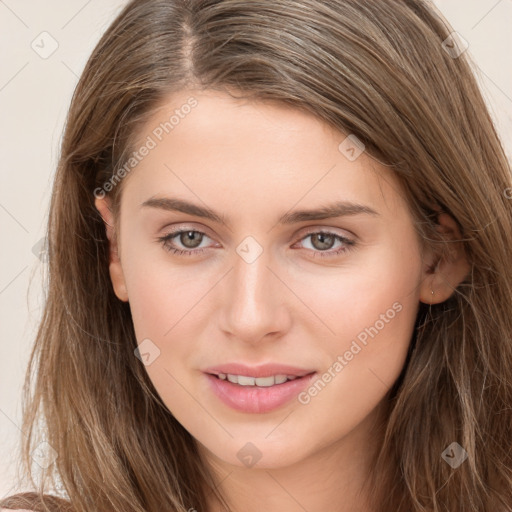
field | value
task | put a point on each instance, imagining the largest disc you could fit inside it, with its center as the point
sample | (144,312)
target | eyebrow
(329,211)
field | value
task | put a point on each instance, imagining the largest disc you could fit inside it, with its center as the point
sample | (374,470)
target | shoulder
(34,502)
(15,510)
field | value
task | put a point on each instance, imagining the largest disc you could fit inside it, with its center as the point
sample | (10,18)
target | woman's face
(256,283)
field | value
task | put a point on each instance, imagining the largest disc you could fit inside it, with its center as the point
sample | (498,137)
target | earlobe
(443,273)
(103,205)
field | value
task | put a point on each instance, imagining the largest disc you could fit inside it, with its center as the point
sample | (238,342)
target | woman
(279,268)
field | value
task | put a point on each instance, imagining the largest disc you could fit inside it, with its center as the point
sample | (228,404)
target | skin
(252,162)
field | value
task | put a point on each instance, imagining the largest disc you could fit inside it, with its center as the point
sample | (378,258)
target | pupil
(322,237)
(189,238)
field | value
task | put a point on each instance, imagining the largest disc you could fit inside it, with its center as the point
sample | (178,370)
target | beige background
(34,96)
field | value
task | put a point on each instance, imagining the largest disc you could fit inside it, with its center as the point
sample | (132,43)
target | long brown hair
(381,70)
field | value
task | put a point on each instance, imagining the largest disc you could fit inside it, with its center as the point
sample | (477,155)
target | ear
(103,205)
(443,273)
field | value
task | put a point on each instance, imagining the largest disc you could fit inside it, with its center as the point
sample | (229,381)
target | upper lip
(264,370)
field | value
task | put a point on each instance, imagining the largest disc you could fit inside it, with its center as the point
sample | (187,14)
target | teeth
(243,380)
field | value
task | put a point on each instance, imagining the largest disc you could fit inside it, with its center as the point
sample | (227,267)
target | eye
(321,241)
(191,240)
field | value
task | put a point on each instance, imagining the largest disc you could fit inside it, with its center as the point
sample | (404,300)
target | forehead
(245,154)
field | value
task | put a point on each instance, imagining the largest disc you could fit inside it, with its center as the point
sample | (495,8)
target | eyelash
(348,244)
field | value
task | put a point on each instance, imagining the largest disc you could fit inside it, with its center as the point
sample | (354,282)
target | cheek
(165,308)
(368,315)
(152,304)
(160,293)
(376,287)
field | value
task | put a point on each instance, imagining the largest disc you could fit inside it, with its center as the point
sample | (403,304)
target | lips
(254,399)
(265,370)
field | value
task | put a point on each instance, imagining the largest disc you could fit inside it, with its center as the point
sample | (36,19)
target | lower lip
(254,399)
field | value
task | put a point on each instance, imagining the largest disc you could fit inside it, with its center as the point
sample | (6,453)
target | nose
(254,300)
